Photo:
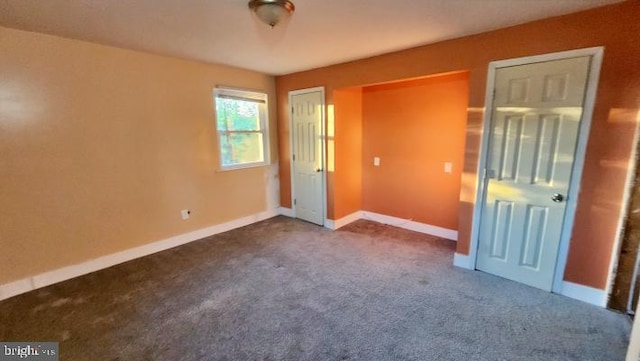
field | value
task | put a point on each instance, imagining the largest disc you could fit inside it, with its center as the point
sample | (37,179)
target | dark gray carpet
(283,289)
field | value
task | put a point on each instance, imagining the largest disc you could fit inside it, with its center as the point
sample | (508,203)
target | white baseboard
(586,294)
(287,212)
(411,225)
(15,288)
(393,221)
(463,261)
(62,274)
(348,219)
(331,224)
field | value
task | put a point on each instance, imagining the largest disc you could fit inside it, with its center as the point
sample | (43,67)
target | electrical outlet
(448,167)
(376,161)
(185,213)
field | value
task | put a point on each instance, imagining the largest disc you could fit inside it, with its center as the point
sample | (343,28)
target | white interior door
(307,164)
(534,130)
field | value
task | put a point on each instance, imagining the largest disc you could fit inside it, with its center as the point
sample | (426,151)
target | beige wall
(100,149)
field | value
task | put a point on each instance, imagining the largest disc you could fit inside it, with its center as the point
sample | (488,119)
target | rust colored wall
(347,138)
(615,115)
(415,127)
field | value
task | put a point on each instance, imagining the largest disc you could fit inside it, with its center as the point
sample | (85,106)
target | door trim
(322,149)
(596,54)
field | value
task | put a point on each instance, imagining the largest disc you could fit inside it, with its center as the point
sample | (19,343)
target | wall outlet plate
(185,213)
(448,167)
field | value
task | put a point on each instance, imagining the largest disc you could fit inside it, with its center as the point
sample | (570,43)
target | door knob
(557,197)
(319,170)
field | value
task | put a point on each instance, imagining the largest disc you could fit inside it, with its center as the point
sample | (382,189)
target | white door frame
(596,54)
(323,137)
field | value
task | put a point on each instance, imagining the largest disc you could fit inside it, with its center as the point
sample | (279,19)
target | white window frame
(249,95)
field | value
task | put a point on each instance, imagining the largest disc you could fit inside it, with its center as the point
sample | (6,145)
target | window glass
(241,123)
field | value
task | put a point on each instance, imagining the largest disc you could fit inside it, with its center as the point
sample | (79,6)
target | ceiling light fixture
(271,12)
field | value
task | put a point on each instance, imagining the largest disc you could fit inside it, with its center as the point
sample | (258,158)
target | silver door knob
(557,197)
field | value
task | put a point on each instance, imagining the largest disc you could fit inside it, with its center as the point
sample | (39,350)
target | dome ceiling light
(271,12)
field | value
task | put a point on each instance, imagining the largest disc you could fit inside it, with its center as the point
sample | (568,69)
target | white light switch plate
(376,161)
(448,167)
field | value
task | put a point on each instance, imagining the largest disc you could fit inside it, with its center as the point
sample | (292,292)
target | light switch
(448,167)
(376,161)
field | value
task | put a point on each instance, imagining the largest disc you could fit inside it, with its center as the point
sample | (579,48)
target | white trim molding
(411,225)
(463,261)
(287,212)
(393,221)
(586,294)
(339,223)
(330,224)
(15,288)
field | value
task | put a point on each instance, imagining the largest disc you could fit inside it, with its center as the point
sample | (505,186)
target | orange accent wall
(415,127)
(346,135)
(616,27)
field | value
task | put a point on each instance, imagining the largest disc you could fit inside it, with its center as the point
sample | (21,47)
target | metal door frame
(322,149)
(596,54)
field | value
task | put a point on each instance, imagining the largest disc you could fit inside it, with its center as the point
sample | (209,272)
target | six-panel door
(534,131)
(307,156)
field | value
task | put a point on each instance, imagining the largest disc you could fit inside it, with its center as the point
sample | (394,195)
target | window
(241,121)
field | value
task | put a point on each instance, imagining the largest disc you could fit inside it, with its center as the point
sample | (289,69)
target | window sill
(242,166)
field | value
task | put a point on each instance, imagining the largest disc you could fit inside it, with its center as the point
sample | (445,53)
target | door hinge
(292,110)
(295,201)
(294,157)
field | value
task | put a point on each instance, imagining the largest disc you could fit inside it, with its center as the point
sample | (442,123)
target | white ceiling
(320,33)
